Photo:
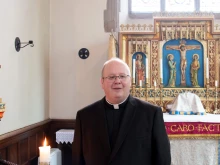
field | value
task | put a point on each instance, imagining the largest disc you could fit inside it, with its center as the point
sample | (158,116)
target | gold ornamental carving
(148,40)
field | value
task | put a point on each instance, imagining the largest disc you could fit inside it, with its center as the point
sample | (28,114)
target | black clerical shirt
(114,117)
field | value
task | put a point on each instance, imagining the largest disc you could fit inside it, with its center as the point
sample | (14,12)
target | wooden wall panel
(23,151)
(12,153)
(33,146)
(3,153)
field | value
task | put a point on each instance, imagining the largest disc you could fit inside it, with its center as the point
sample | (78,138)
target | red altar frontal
(193,127)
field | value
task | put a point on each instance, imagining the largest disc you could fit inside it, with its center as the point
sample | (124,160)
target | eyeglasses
(113,78)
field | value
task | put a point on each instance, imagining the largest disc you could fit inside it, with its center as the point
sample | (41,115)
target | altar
(194,139)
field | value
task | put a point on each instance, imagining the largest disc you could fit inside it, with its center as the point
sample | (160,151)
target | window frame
(136,15)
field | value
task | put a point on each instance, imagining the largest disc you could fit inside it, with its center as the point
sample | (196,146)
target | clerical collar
(117,106)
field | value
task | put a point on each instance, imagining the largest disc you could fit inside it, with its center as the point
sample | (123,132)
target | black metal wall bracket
(18,44)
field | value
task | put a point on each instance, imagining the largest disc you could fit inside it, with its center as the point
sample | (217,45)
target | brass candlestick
(133,87)
(208,109)
(140,91)
(216,104)
(161,95)
(155,86)
(217,111)
(146,88)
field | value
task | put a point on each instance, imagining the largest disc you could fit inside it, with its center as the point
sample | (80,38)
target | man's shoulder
(91,106)
(144,103)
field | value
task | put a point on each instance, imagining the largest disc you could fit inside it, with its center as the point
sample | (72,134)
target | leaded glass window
(179,5)
(151,6)
(145,6)
(210,5)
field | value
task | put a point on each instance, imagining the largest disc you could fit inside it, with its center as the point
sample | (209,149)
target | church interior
(51,58)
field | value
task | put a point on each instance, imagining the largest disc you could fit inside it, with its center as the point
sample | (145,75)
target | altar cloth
(64,136)
(208,118)
(187,103)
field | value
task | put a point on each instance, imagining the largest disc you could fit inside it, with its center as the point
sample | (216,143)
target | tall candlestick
(45,153)
(146,68)
(207,68)
(161,68)
(133,70)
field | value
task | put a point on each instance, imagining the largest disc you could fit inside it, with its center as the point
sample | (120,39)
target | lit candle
(207,68)
(140,83)
(216,83)
(133,70)
(45,153)
(146,68)
(155,83)
(161,69)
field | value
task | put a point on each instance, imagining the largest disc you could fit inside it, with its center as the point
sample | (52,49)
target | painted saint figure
(172,67)
(194,70)
(139,68)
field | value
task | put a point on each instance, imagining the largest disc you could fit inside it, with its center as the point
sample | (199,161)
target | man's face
(117,90)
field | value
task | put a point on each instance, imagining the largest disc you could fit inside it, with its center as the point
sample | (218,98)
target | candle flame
(45,142)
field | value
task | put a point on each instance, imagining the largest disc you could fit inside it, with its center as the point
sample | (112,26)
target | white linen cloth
(187,102)
(65,136)
(208,118)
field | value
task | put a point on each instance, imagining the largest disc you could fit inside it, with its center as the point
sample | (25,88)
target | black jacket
(142,138)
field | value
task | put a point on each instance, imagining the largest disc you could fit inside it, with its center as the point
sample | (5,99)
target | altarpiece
(175,54)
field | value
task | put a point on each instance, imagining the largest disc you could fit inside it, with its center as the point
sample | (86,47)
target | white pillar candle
(140,83)
(133,71)
(155,83)
(207,68)
(216,83)
(124,52)
(45,153)
(146,68)
(161,68)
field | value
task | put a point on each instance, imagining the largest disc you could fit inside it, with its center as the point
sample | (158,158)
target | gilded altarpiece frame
(149,43)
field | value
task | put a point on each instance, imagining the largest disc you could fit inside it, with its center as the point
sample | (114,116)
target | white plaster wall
(24,76)
(75,83)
